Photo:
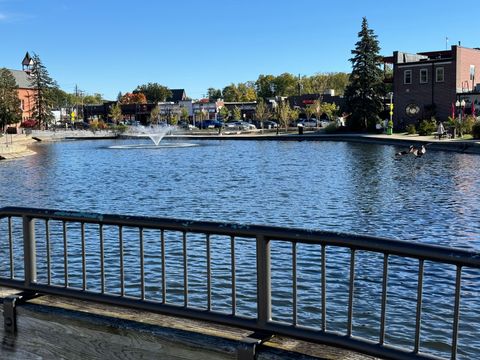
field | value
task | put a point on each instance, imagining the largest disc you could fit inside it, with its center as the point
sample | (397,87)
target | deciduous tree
(184,114)
(116,113)
(130,98)
(214,94)
(224,113)
(247,91)
(265,86)
(10,111)
(153,92)
(236,113)
(93,99)
(231,93)
(310,111)
(262,112)
(286,85)
(284,114)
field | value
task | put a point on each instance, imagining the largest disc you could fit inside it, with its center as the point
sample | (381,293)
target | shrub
(411,130)
(331,128)
(30,123)
(476,130)
(467,124)
(426,127)
(119,129)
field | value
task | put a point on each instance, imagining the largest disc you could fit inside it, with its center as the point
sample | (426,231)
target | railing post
(264,308)
(29,251)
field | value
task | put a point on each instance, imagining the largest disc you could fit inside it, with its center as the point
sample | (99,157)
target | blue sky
(108,46)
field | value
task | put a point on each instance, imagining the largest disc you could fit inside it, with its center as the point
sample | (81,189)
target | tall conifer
(365,89)
(43,84)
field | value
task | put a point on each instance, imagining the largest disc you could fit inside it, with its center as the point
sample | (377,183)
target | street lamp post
(390,122)
(460,105)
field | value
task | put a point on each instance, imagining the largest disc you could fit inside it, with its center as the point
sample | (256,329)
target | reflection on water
(348,187)
(336,186)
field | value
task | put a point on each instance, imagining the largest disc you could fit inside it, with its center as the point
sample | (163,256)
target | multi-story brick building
(429,83)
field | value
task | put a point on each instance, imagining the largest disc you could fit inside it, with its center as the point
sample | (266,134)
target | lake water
(334,186)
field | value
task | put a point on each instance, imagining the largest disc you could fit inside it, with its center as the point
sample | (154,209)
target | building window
(439,74)
(22,105)
(472,72)
(407,77)
(423,76)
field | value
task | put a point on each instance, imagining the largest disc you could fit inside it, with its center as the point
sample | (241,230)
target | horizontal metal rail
(72,279)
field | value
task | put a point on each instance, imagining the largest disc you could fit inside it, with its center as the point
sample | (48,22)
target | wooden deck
(51,327)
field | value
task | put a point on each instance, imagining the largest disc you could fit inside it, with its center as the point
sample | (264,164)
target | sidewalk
(13,146)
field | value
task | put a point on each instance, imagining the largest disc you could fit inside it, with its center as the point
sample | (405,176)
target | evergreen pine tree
(365,89)
(43,84)
(10,111)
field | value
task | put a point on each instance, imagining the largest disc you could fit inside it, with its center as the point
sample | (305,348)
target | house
(177,95)
(428,84)
(26,90)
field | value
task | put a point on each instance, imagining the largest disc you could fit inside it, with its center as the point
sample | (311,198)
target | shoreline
(455,145)
(17,146)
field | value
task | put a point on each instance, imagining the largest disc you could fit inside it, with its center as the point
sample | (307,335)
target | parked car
(206,124)
(308,123)
(240,125)
(325,123)
(267,124)
(247,126)
(186,125)
(232,124)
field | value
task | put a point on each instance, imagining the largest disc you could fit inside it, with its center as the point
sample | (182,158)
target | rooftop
(22,79)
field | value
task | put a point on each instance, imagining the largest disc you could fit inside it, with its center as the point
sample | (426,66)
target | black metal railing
(254,277)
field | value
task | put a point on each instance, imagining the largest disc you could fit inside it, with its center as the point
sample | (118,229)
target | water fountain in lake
(155,133)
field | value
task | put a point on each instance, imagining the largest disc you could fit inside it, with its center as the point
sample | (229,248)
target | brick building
(26,91)
(428,84)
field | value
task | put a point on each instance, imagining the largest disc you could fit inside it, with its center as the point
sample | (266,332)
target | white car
(308,123)
(241,125)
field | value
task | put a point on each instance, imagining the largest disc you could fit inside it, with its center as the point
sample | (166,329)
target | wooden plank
(55,327)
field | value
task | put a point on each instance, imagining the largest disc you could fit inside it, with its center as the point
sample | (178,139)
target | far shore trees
(10,112)
(286,84)
(130,98)
(43,96)
(214,94)
(365,90)
(154,92)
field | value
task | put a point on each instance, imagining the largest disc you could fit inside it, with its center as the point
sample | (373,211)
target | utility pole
(299,86)
(76,100)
